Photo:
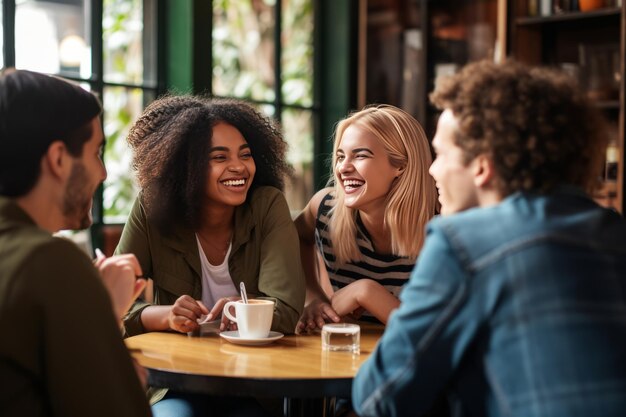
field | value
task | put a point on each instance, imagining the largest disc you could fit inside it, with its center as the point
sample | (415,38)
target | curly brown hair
(171,142)
(535,122)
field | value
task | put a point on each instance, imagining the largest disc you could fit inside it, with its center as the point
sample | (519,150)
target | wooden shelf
(410,37)
(555,39)
(567,17)
(607,195)
(608,104)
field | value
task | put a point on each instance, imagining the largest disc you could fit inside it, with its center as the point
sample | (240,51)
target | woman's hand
(317,312)
(364,294)
(346,300)
(119,275)
(184,314)
(216,311)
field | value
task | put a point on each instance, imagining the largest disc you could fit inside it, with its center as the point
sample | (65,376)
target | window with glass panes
(108,47)
(262,51)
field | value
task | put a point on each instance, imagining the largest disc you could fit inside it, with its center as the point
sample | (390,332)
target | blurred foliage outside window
(123,60)
(244,66)
(1,37)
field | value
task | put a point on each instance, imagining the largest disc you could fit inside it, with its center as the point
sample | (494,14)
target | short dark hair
(537,125)
(36,110)
(171,142)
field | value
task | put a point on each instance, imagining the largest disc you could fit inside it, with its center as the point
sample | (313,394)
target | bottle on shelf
(612,161)
(588,5)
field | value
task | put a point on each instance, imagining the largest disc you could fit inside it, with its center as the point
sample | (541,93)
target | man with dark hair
(62,353)
(516,307)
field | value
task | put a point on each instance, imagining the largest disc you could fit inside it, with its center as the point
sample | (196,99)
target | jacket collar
(11,213)
(183,239)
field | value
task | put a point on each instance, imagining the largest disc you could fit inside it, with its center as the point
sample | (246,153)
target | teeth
(234,182)
(353,183)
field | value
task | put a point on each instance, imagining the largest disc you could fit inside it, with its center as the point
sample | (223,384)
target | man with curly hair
(516,307)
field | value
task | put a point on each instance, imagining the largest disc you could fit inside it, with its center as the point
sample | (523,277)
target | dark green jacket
(265,256)
(61,351)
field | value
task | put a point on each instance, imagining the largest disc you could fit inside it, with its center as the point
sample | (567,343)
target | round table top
(292,366)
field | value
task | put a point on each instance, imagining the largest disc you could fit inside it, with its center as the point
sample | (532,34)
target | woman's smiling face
(231,167)
(363,169)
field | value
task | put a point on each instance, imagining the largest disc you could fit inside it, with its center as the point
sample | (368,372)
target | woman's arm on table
(143,316)
(317,309)
(365,294)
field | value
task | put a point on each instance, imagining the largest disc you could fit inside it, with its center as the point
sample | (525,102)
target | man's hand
(119,275)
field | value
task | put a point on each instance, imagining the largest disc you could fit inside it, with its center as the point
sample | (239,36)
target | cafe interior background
(307,63)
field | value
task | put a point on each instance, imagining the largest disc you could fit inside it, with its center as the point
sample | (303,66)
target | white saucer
(233,337)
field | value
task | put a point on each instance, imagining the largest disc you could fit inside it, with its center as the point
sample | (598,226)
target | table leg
(309,407)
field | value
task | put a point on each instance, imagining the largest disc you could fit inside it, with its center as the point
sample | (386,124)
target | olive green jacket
(61,350)
(265,255)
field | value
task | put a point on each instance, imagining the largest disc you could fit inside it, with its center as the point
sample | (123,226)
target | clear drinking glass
(341,337)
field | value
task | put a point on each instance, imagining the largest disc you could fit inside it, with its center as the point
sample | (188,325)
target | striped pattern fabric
(390,271)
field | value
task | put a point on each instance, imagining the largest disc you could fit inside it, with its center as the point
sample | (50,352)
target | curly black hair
(171,142)
(539,127)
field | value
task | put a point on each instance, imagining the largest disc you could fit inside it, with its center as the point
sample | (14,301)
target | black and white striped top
(391,271)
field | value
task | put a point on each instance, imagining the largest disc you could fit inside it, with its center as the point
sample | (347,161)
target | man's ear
(57,161)
(484,171)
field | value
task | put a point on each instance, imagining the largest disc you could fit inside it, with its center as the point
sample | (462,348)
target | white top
(216,280)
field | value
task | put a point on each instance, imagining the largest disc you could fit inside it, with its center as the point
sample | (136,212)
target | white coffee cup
(253,319)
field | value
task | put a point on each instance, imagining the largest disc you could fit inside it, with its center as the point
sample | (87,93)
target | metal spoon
(244,296)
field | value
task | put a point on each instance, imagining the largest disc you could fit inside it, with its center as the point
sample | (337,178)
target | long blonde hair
(412,199)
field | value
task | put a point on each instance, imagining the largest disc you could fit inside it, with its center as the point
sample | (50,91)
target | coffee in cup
(254,319)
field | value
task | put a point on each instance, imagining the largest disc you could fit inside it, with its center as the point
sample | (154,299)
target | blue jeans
(177,404)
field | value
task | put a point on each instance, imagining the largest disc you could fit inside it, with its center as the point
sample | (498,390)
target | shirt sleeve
(135,240)
(86,367)
(424,339)
(281,276)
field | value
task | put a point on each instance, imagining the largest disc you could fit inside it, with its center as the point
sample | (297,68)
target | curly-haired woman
(368,227)
(210,214)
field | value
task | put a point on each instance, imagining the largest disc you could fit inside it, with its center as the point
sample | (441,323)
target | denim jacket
(513,310)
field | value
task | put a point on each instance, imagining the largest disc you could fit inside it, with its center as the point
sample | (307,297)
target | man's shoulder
(515,213)
(23,240)
(468,220)
(481,228)
(32,238)
(29,246)
(526,219)
(43,270)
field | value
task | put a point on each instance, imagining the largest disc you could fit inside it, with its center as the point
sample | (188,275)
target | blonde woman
(368,228)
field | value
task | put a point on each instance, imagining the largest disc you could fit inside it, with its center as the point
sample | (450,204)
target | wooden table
(294,367)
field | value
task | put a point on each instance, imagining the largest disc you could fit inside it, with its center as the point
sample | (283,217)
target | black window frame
(154,22)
